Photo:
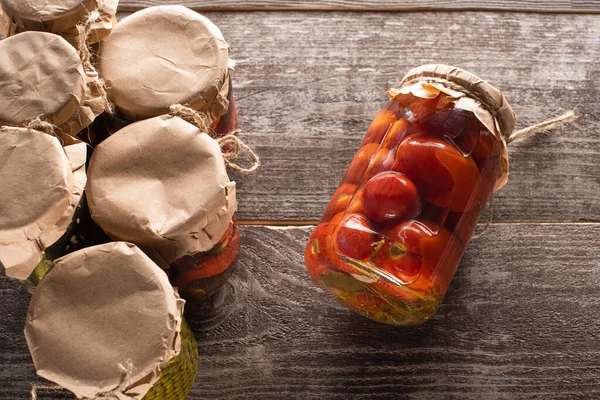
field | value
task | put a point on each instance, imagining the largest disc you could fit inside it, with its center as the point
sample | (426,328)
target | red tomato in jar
(442,174)
(210,263)
(487,145)
(389,197)
(383,161)
(398,131)
(356,204)
(354,237)
(361,161)
(340,200)
(459,126)
(421,108)
(382,123)
(418,253)
(319,255)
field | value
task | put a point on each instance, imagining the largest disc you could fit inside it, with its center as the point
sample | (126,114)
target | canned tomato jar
(52,84)
(59,17)
(106,323)
(39,210)
(396,228)
(162,184)
(185,60)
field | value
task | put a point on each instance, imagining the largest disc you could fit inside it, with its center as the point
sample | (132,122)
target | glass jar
(173,42)
(51,82)
(38,210)
(59,17)
(396,228)
(139,346)
(201,275)
(161,184)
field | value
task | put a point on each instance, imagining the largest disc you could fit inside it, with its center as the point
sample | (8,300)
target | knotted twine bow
(519,135)
(231,145)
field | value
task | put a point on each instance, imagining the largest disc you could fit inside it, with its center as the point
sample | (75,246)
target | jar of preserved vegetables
(396,228)
(106,323)
(51,82)
(38,209)
(185,61)
(60,17)
(161,183)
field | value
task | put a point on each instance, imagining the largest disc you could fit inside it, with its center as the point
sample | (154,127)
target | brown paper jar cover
(161,183)
(48,77)
(472,93)
(42,183)
(60,17)
(183,59)
(101,309)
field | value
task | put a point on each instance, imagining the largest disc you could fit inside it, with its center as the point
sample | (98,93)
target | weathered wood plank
(521,320)
(388,5)
(308,85)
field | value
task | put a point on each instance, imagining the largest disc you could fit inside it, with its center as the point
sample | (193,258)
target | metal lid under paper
(470,93)
(57,16)
(104,322)
(161,183)
(184,60)
(42,183)
(49,81)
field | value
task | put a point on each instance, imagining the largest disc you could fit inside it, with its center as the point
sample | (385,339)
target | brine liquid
(395,230)
(201,275)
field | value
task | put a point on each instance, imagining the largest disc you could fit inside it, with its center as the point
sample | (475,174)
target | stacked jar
(194,106)
(98,354)
(61,17)
(57,100)
(193,55)
(395,230)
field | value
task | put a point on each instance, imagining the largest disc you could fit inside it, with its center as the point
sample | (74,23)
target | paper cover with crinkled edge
(161,183)
(59,17)
(42,184)
(471,93)
(49,77)
(173,42)
(99,308)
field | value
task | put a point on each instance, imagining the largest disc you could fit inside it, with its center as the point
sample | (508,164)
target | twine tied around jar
(231,145)
(127,370)
(83,33)
(43,126)
(552,123)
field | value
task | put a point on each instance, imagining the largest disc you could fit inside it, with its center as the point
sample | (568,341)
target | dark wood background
(522,318)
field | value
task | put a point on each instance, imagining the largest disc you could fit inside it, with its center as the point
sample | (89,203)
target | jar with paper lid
(162,184)
(59,17)
(138,347)
(185,61)
(51,82)
(43,214)
(396,228)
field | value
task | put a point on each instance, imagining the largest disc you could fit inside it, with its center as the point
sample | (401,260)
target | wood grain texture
(308,85)
(521,320)
(389,5)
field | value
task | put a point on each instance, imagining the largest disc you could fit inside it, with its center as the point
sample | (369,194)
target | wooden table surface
(522,317)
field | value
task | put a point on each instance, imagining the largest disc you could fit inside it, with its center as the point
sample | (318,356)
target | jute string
(126,369)
(521,134)
(231,145)
(83,33)
(542,126)
(43,126)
